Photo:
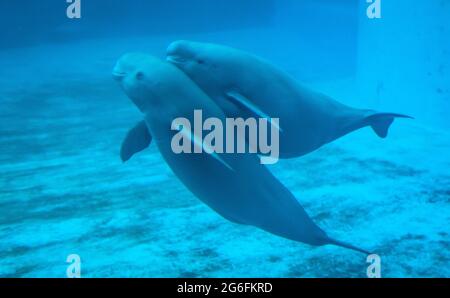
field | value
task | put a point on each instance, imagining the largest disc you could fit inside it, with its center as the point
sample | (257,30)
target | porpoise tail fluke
(380,122)
(347,245)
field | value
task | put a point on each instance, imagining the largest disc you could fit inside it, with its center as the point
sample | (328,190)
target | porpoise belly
(310,120)
(248,194)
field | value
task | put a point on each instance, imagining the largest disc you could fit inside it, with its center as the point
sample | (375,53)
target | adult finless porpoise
(236,186)
(244,85)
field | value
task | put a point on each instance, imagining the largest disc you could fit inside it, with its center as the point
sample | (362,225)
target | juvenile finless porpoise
(244,85)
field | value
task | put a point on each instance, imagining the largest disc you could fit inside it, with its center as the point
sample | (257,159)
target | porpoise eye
(200,61)
(139,75)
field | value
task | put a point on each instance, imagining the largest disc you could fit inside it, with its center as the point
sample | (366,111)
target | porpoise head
(184,54)
(133,71)
(143,78)
(205,63)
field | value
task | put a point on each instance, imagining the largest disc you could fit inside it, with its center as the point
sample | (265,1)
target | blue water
(64,190)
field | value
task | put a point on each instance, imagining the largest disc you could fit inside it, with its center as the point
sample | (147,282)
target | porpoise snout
(178,52)
(118,74)
(174,48)
(175,59)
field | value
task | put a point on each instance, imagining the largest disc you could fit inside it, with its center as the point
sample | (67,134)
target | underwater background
(64,190)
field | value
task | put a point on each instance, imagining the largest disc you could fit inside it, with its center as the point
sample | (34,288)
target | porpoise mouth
(175,59)
(118,75)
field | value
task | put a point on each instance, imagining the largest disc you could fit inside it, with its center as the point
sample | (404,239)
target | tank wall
(320,37)
(403,59)
(29,22)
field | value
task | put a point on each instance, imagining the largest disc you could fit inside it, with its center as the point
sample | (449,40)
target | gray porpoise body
(245,192)
(244,85)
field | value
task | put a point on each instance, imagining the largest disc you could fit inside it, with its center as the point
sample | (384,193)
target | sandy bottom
(64,190)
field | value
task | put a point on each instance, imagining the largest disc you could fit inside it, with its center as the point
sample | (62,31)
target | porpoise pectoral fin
(137,139)
(241,101)
(380,122)
(198,142)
